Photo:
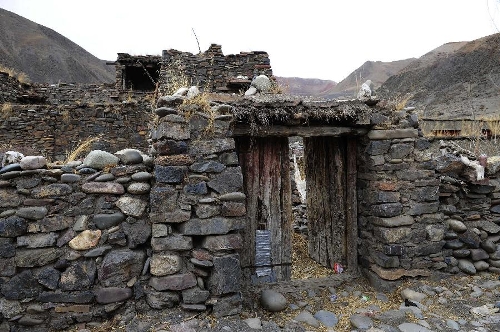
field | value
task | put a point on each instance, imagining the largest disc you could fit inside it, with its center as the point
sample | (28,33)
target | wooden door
(267,236)
(331,200)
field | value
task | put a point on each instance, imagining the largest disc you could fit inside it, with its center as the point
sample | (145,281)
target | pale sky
(309,39)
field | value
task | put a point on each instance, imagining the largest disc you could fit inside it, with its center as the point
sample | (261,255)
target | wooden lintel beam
(310,131)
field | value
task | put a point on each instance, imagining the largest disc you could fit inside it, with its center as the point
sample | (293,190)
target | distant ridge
(45,55)
(455,80)
(376,71)
(306,86)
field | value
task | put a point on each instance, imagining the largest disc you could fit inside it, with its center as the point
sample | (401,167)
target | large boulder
(99,159)
(262,83)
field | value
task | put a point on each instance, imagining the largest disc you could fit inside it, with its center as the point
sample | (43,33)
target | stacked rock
(73,238)
(197,204)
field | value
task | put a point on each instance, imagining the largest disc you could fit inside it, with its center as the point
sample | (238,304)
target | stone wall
(197,207)
(54,131)
(421,212)
(212,70)
(10,88)
(74,242)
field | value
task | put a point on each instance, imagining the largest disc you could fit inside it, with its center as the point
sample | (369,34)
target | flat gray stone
(112,294)
(412,327)
(306,317)
(466,266)
(361,321)
(327,318)
(103,221)
(32,212)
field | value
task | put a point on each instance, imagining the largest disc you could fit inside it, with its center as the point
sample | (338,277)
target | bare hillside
(376,71)
(306,86)
(45,55)
(456,80)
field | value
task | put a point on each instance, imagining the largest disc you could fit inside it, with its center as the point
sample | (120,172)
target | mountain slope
(45,55)
(376,71)
(306,86)
(456,80)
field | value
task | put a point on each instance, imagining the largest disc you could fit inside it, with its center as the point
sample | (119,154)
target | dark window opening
(141,78)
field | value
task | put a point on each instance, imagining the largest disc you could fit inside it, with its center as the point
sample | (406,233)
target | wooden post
(352,206)
(266,171)
(325,159)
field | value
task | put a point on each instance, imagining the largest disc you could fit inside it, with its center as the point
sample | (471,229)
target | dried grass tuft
(7,111)
(83,147)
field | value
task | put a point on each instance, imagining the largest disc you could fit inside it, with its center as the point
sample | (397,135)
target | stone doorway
(330,163)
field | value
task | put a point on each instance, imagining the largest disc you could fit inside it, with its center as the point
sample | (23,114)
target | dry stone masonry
(74,238)
(135,233)
(197,207)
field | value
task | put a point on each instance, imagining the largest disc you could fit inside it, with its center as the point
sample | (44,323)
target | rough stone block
(226,275)
(229,180)
(120,266)
(113,188)
(170,174)
(161,300)
(22,286)
(206,147)
(7,267)
(378,147)
(478,254)
(391,235)
(227,305)
(204,211)
(73,297)
(37,257)
(51,224)
(137,233)
(163,199)
(79,276)
(423,208)
(397,221)
(199,188)
(386,210)
(233,209)
(395,250)
(426,194)
(195,295)
(171,130)
(161,230)
(131,206)
(112,294)
(170,147)
(13,226)
(174,282)
(392,134)
(223,242)
(400,151)
(37,240)
(52,191)
(163,264)
(207,166)
(425,249)
(172,242)
(210,226)
(384,260)
(471,239)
